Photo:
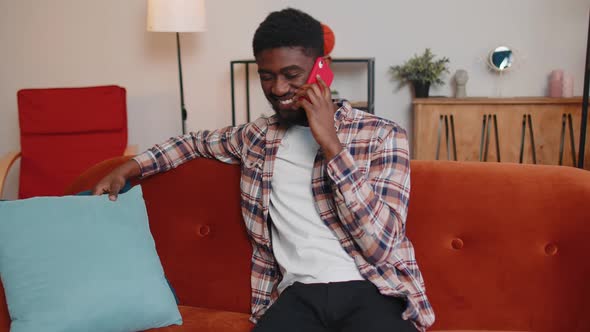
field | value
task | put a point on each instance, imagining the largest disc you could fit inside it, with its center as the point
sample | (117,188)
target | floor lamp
(586,93)
(177,16)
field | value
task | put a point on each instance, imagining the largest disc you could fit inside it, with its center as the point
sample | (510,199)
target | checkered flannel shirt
(362,195)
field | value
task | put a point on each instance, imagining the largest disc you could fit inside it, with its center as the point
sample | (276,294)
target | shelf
(368,106)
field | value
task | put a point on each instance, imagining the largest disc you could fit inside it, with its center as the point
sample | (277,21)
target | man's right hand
(115,180)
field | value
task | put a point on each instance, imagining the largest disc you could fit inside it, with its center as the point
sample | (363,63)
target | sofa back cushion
(196,220)
(503,246)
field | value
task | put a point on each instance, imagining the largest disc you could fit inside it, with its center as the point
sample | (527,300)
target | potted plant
(421,71)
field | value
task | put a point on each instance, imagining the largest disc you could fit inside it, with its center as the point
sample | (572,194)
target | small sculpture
(461,78)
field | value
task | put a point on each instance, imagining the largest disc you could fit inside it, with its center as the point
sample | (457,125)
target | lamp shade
(176,15)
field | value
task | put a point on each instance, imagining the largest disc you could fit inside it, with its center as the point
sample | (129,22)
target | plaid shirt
(361,195)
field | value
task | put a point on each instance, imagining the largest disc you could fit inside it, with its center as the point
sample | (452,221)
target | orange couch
(502,247)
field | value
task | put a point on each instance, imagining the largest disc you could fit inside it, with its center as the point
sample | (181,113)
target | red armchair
(63,131)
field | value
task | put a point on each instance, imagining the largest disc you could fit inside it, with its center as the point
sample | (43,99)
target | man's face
(282,71)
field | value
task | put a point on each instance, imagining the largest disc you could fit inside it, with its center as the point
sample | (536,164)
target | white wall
(83,42)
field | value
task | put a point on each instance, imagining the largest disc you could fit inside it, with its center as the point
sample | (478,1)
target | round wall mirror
(501,58)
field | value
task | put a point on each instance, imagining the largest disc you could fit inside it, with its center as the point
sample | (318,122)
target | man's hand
(320,116)
(115,180)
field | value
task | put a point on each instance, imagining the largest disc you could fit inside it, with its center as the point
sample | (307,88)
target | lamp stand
(183,113)
(586,92)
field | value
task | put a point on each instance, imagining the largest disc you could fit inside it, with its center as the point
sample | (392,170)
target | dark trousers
(335,307)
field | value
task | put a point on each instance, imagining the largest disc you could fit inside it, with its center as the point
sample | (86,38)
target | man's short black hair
(289,28)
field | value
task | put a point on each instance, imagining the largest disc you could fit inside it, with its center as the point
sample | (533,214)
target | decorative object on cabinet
(555,89)
(368,105)
(527,130)
(421,71)
(561,84)
(177,16)
(501,59)
(461,78)
(567,85)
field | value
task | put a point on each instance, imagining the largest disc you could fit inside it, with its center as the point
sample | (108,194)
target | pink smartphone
(321,68)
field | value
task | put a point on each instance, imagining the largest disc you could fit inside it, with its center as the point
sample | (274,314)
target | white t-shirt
(304,247)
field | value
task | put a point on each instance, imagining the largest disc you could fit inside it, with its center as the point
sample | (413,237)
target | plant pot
(421,89)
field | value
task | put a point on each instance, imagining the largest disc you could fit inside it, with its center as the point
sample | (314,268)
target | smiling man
(325,192)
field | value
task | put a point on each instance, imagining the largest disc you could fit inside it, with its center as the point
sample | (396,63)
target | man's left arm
(373,207)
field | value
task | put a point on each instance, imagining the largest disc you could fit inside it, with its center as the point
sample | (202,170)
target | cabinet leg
(527,122)
(454,141)
(488,121)
(497,138)
(532,136)
(439,138)
(450,141)
(483,136)
(562,139)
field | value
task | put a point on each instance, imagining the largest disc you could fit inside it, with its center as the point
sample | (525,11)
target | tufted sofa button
(551,249)
(457,244)
(203,230)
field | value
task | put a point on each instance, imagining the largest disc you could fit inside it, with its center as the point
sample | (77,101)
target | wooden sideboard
(528,130)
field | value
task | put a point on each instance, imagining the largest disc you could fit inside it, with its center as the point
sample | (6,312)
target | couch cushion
(502,246)
(82,264)
(209,320)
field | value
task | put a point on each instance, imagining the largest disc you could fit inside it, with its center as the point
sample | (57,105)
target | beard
(289,118)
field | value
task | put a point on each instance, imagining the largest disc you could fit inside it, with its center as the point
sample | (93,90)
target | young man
(325,192)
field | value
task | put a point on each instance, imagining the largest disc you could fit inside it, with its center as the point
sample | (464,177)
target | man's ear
(328,60)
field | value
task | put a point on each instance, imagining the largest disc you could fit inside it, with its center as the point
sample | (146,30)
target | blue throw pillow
(82,263)
(123,190)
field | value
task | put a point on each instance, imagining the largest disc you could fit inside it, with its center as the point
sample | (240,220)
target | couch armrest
(5,163)
(131,150)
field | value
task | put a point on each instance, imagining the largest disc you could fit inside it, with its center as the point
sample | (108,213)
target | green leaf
(422,68)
